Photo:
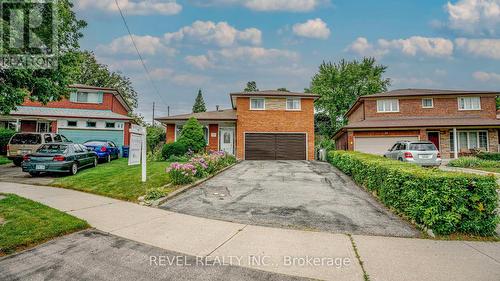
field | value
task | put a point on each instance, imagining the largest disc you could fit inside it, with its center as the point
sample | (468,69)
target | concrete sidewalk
(277,250)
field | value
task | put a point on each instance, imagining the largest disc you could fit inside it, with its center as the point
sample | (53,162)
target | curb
(181,190)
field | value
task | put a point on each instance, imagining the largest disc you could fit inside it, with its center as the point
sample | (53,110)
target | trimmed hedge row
(495,156)
(445,202)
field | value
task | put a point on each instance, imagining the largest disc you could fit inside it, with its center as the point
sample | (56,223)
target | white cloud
(255,54)
(221,34)
(486,76)
(201,62)
(160,73)
(473,16)
(362,47)
(131,7)
(315,28)
(413,46)
(268,5)
(147,45)
(487,48)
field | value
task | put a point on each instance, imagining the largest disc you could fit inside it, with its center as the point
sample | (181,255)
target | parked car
(106,150)
(423,153)
(21,144)
(59,157)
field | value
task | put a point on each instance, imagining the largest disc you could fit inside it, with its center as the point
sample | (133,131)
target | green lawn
(27,223)
(4,160)
(117,179)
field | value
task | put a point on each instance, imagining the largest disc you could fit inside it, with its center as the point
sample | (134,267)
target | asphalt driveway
(95,255)
(293,194)
(11,173)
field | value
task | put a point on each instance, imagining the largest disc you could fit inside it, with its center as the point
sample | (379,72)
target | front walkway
(273,249)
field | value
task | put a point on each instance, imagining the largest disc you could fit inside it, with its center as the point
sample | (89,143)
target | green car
(59,157)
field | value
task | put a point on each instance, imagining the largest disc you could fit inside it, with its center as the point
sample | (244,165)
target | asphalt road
(294,194)
(94,255)
(12,173)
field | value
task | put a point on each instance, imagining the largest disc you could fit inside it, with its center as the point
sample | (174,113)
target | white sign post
(137,152)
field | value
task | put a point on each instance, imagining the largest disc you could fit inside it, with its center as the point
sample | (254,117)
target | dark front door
(434,138)
(262,146)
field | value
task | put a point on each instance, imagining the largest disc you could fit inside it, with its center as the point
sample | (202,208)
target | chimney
(217,108)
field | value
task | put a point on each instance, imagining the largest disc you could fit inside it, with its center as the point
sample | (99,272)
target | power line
(140,56)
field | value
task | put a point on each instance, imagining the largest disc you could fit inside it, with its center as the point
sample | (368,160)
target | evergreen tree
(199,103)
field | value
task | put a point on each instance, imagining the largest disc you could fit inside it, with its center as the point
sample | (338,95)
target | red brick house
(455,121)
(265,125)
(89,113)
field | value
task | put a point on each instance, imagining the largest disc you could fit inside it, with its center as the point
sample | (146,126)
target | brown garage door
(275,146)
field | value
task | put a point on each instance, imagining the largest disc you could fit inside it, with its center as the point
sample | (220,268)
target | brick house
(265,125)
(89,113)
(455,121)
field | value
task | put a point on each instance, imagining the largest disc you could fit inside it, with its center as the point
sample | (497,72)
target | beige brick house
(455,121)
(264,125)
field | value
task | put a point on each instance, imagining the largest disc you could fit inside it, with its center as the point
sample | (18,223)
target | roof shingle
(225,114)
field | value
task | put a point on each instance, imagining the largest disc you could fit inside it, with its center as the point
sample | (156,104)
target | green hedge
(495,156)
(445,202)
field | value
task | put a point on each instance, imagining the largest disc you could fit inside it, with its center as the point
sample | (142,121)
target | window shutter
(100,97)
(72,97)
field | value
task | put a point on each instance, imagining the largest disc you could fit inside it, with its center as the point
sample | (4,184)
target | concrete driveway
(12,173)
(292,194)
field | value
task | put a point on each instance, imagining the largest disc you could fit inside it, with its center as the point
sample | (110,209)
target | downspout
(455,143)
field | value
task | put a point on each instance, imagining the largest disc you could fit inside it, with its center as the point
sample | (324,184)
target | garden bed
(477,163)
(445,202)
(25,223)
(4,160)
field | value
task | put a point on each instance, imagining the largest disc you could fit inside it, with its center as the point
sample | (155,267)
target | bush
(445,202)
(181,173)
(154,137)
(473,162)
(5,135)
(192,135)
(173,149)
(493,156)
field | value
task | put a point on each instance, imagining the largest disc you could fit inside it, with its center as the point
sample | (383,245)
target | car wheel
(117,155)
(17,162)
(400,159)
(34,174)
(108,158)
(74,169)
(95,161)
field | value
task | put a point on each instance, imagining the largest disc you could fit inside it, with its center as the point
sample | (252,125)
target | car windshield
(52,148)
(95,143)
(26,139)
(422,147)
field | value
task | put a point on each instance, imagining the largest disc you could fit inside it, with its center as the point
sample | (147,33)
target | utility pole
(153,119)
(168,110)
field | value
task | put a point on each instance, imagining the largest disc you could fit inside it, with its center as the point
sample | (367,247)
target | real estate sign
(137,152)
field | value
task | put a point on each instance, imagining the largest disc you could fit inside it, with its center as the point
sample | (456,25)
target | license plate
(425,156)
(40,167)
(23,152)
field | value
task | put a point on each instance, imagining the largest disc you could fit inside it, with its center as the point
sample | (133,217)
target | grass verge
(4,160)
(118,180)
(27,223)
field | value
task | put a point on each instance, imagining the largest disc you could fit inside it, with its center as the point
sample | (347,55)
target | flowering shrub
(199,166)
(181,173)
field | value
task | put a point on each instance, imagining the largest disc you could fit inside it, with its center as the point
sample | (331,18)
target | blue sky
(219,45)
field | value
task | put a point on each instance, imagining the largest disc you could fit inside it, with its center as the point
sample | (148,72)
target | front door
(434,138)
(227,140)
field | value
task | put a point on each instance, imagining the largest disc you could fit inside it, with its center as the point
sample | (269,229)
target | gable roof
(418,92)
(221,115)
(67,112)
(115,92)
(270,93)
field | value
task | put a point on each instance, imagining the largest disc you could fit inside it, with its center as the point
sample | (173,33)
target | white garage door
(377,145)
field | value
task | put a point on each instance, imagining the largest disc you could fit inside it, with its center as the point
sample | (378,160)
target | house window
(205,132)
(389,105)
(110,124)
(470,140)
(292,104)
(427,103)
(72,124)
(178,130)
(257,104)
(84,97)
(91,124)
(469,103)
